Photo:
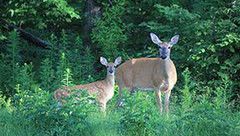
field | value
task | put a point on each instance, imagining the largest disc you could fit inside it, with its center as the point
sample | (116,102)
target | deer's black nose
(164,57)
(111,71)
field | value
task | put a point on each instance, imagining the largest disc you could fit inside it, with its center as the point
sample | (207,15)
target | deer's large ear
(174,40)
(117,61)
(103,61)
(155,39)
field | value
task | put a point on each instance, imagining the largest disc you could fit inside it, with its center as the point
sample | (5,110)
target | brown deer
(104,89)
(157,74)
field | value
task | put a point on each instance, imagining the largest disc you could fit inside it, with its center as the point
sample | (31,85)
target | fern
(61,67)
(186,95)
(10,62)
(109,31)
(25,77)
(47,75)
(67,80)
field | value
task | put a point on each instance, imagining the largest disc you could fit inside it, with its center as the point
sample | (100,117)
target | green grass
(199,122)
(139,116)
(105,125)
(13,126)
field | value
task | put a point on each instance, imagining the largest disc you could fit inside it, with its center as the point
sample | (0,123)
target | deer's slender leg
(159,99)
(120,101)
(167,96)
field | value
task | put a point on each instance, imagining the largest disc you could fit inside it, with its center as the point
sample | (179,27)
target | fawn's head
(164,47)
(111,67)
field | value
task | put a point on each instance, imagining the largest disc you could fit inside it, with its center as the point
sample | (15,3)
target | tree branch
(26,35)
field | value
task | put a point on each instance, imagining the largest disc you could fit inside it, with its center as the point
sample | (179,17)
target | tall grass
(11,125)
(194,110)
(201,120)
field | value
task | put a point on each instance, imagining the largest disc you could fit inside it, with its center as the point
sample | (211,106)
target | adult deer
(103,89)
(157,74)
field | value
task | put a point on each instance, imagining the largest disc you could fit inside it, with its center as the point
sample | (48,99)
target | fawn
(104,89)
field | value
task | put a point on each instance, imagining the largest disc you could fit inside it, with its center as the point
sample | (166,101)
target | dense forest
(47,44)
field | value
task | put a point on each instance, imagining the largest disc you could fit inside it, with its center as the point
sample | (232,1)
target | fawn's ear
(174,40)
(103,61)
(155,39)
(117,61)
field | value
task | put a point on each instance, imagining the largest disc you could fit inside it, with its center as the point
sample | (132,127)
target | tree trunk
(91,12)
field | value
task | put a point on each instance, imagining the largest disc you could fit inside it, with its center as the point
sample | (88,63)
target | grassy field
(49,44)
(139,116)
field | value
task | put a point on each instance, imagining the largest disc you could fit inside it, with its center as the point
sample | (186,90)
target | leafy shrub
(47,75)
(5,103)
(205,100)
(109,33)
(42,11)
(38,107)
(194,113)
(9,64)
(16,125)
(137,114)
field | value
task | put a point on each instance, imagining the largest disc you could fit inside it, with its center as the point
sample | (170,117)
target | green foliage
(186,94)
(5,103)
(62,65)
(205,100)
(82,66)
(13,48)
(10,64)
(137,114)
(47,74)
(16,126)
(39,108)
(109,32)
(25,77)
(222,96)
(67,80)
(41,13)
(168,19)
(195,114)
(62,8)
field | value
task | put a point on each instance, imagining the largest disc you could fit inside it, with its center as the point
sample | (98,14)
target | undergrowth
(35,112)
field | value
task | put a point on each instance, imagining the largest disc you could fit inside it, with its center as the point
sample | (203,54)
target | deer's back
(144,73)
(101,89)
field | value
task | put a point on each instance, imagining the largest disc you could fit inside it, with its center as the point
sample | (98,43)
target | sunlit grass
(139,116)
(13,126)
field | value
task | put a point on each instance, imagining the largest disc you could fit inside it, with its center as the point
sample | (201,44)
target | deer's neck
(166,67)
(110,79)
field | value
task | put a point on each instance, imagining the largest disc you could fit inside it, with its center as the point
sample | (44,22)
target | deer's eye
(169,47)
